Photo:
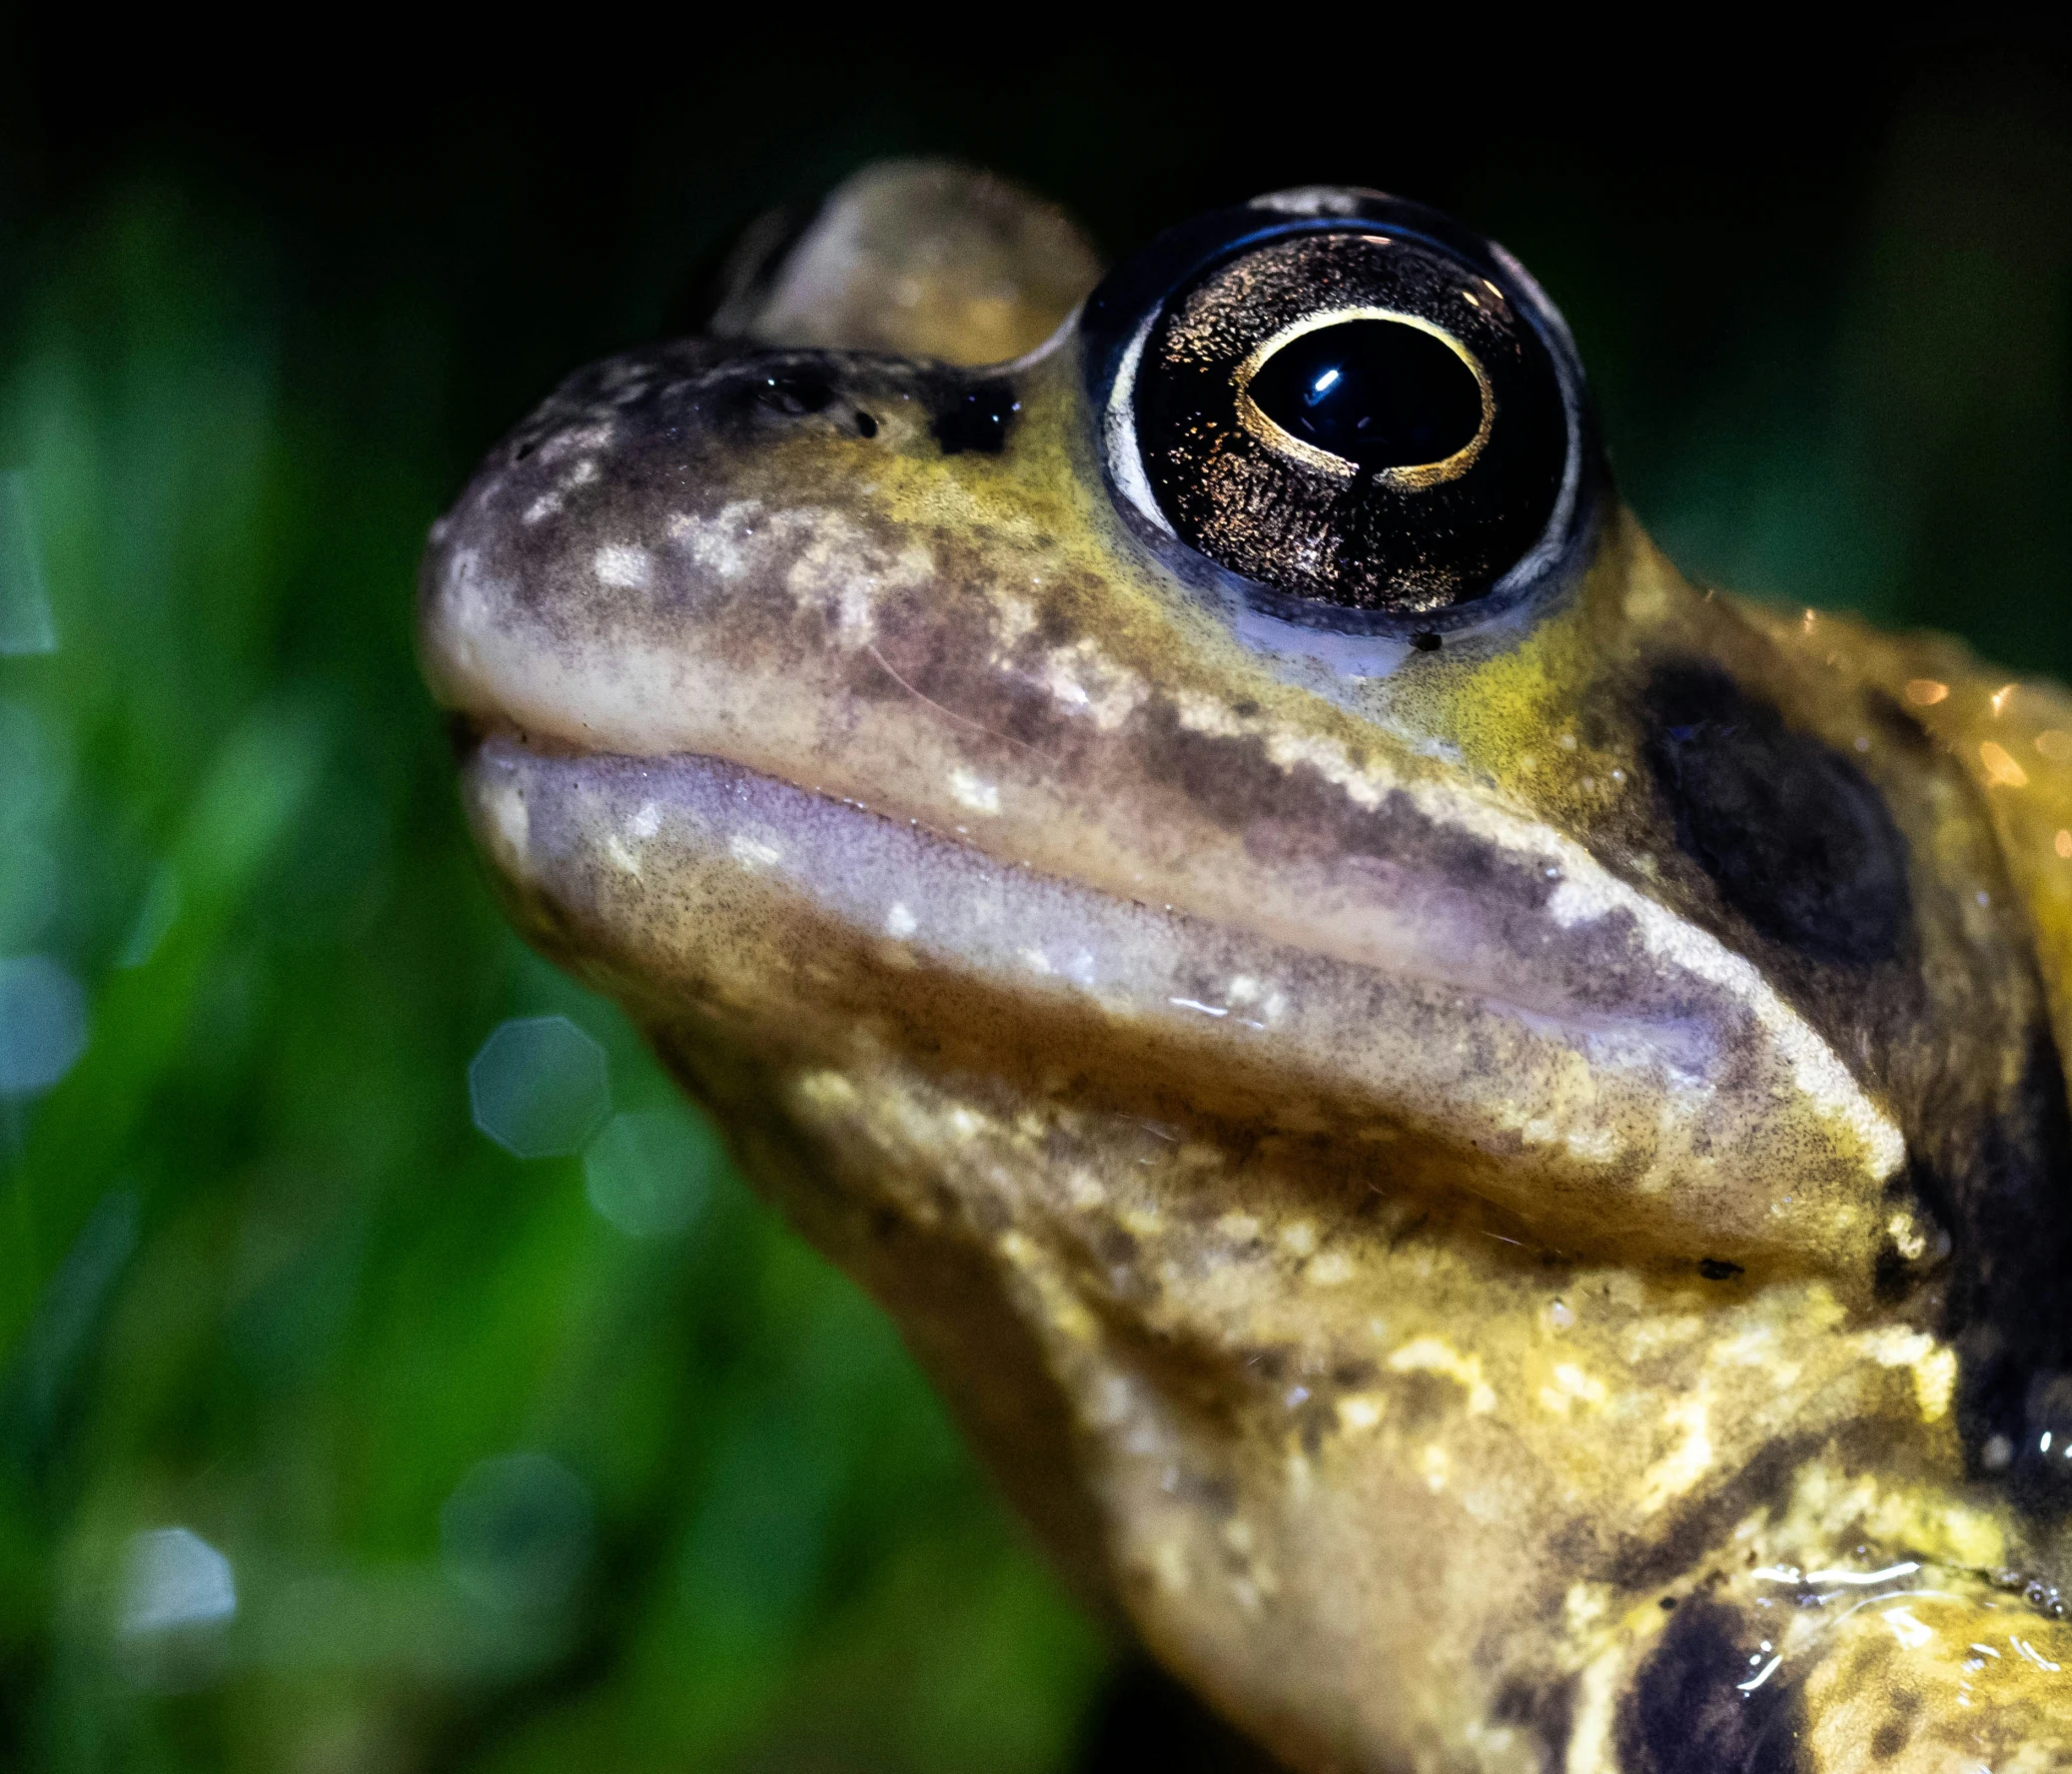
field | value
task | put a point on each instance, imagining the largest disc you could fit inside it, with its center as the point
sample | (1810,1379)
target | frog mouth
(554,815)
(867,871)
(703,891)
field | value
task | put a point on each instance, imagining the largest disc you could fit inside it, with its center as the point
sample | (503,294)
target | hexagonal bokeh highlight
(648,1173)
(540,1086)
(516,1532)
(173,1579)
(42,1024)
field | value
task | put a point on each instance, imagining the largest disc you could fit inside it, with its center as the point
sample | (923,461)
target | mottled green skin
(1285,1087)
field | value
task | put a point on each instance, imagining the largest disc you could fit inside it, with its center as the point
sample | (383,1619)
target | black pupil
(1376,393)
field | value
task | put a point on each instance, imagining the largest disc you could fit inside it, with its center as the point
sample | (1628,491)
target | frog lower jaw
(809,923)
(945,1108)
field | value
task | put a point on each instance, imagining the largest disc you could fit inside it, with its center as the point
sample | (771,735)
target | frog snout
(700,396)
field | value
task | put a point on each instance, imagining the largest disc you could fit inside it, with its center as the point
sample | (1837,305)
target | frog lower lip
(869,870)
(624,844)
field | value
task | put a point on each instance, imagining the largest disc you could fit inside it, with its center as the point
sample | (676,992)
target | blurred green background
(336,1435)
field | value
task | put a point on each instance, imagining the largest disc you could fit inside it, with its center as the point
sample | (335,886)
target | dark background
(488,1480)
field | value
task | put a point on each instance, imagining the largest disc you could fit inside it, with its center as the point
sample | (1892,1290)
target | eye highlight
(1367,389)
(1369,418)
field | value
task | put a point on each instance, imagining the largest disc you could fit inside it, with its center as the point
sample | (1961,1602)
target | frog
(1474,1129)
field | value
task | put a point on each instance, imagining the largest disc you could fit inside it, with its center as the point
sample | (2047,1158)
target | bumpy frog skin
(1489,1172)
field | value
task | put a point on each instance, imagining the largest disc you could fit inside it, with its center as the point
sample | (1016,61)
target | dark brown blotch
(1687,1713)
(1795,837)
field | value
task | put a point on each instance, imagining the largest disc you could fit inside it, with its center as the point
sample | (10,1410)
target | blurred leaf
(257,784)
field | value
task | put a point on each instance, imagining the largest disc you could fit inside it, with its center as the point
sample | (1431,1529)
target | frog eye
(1365,415)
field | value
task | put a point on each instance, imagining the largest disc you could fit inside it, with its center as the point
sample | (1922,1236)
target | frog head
(1474,1131)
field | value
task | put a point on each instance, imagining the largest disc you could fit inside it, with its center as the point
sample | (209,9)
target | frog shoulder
(2012,734)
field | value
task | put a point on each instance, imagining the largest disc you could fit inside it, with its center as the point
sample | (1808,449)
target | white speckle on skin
(1931,1363)
(973,791)
(1113,1403)
(622,564)
(900,922)
(826,561)
(718,545)
(1687,1461)
(1570,1386)
(1359,1410)
(1333,1270)
(645,823)
(545,505)
(1594,1145)
(573,442)
(1085,680)
(753,852)
(1169,1567)
(1434,1354)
